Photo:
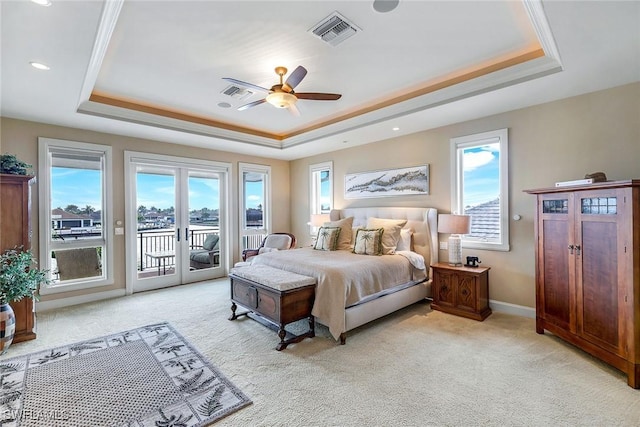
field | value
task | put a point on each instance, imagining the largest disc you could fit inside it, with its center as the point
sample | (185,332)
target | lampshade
(455,225)
(318,219)
(281,99)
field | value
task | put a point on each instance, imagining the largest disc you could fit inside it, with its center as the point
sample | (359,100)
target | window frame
(266,204)
(457,146)
(315,193)
(46,146)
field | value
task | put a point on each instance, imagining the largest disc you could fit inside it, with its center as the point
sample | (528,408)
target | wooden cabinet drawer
(268,305)
(245,294)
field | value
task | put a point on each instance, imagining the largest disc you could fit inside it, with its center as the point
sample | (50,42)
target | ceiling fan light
(281,99)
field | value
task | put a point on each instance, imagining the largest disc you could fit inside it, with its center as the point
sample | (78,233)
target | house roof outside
(62,214)
(485,220)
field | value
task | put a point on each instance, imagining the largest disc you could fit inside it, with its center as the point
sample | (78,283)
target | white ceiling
(420,66)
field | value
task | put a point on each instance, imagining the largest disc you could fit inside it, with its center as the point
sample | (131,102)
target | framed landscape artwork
(390,182)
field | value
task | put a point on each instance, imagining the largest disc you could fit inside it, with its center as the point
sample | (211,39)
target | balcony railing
(164,240)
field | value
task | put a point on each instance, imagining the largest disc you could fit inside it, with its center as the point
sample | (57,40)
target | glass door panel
(156,224)
(204,224)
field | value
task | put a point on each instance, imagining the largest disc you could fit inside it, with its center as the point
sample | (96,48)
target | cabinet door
(467,292)
(555,292)
(599,286)
(445,288)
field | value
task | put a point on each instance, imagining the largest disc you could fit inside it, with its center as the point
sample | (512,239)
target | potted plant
(18,279)
(11,165)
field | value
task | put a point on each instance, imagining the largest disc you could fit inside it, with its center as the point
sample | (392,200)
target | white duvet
(344,278)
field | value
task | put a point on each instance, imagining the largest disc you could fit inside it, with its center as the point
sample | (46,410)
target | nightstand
(463,291)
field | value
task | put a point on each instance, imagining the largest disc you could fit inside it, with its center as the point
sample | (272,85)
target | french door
(176,220)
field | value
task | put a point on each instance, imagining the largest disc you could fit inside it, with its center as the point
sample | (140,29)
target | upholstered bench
(274,298)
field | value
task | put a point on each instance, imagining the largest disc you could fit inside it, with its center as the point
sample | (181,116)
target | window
(321,189)
(75,214)
(480,188)
(255,204)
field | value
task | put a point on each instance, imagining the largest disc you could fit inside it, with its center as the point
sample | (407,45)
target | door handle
(578,249)
(186,233)
(178,234)
(570,247)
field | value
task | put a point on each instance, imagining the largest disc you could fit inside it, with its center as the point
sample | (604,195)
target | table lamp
(455,226)
(317,220)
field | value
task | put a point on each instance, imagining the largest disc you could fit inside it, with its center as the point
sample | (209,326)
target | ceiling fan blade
(251,104)
(247,85)
(294,78)
(294,109)
(318,96)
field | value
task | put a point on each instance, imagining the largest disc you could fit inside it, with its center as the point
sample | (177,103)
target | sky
(481,174)
(81,187)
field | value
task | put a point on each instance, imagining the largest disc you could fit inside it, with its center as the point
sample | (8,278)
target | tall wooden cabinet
(588,269)
(15,230)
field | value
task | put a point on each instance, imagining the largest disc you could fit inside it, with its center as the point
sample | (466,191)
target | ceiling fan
(282,95)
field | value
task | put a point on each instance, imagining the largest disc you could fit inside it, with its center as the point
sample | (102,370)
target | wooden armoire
(588,269)
(15,230)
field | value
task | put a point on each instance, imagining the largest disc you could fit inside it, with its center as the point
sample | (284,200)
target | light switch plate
(119,231)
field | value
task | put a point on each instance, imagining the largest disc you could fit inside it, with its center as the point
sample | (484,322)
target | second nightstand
(463,291)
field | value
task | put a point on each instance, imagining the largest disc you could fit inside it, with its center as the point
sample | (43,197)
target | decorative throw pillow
(391,235)
(368,241)
(404,244)
(327,239)
(344,240)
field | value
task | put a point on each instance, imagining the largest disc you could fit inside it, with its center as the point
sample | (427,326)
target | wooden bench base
(274,308)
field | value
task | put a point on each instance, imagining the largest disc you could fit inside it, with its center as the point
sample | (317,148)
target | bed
(355,289)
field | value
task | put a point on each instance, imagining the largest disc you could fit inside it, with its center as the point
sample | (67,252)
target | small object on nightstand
(462,291)
(473,261)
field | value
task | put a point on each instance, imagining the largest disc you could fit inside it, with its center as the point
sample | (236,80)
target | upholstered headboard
(423,222)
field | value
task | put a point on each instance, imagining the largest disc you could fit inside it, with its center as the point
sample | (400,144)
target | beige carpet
(416,367)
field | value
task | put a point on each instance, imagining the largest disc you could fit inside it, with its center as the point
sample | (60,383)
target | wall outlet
(444,245)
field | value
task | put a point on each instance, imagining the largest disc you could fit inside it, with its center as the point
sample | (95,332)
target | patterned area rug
(150,376)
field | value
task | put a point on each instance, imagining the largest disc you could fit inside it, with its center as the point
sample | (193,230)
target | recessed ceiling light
(384,6)
(396,128)
(224,105)
(39,66)
(42,2)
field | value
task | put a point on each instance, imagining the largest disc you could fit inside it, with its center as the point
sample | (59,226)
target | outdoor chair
(78,263)
(273,242)
(209,254)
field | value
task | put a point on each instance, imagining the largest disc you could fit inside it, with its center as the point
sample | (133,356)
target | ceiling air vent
(237,92)
(334,29)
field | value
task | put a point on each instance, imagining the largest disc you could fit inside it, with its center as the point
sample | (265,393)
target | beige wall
(561,140)
(21,138)
(552,142)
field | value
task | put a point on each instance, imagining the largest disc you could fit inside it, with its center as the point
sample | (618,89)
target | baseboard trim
(496,306)
(81,299)
(508,308)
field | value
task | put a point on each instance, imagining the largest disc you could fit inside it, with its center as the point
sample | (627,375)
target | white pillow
(344,239)
(391,233)
(404,244)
